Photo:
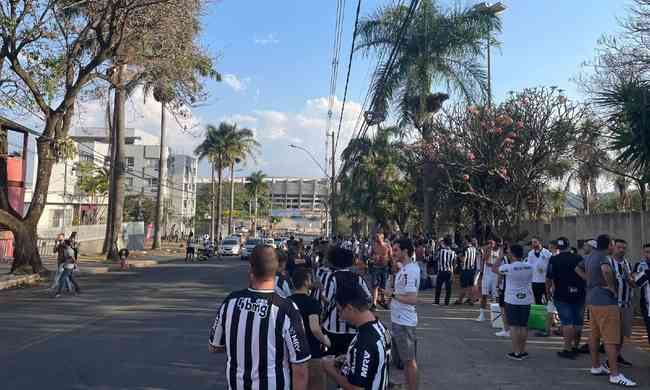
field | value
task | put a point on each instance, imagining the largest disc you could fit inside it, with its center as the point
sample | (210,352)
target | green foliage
(93,180)
(136,205)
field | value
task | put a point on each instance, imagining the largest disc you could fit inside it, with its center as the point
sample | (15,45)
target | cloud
(234,82)
(269,39)
(183,133)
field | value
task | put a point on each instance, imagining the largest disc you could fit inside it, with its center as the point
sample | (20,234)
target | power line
(347,79)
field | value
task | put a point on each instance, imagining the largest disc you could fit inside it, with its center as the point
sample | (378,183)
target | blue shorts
(379,276)
(571,314)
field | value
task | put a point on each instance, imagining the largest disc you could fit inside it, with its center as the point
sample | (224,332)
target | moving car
(249,245)
(230,247)
(270,242)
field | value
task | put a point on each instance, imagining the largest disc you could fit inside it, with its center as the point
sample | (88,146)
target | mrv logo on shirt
(259,306)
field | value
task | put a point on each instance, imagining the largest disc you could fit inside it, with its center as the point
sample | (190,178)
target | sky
(275,58)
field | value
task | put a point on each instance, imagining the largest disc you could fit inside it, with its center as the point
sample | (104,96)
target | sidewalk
(92,265)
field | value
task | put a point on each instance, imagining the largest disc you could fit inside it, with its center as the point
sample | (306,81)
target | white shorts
(489,284)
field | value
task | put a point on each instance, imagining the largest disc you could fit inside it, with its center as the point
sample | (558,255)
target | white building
(67,204)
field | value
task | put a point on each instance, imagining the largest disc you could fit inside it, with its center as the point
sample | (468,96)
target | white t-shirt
(540,263)
(487,269)
(519,290)
(407,281)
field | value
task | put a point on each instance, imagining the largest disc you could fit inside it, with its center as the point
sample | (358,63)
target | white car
(249,245)
(230,247)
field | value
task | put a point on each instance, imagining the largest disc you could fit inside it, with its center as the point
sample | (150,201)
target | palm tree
(256,186)
(437,48)
(241,145)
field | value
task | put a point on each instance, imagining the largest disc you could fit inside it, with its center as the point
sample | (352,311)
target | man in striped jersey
(365,364)
(487,276)
(276,349)
(339,331)
(624,293)
(642,281)
(468,267)
(446,260)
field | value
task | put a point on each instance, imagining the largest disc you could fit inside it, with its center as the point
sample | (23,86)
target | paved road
(148,330)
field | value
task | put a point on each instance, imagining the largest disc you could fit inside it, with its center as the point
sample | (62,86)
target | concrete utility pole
(162,180)
(333,211)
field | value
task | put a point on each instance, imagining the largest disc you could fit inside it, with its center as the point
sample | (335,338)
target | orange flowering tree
(498,161)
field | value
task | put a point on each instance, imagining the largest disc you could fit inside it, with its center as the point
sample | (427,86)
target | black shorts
(190,251)
(539,291)
(517,315)
(502,298)
(467,278)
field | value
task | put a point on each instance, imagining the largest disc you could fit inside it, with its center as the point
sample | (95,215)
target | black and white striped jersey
(282,286)
(446,259)
(331,321)
(263,334)
(368,357)
(470,259)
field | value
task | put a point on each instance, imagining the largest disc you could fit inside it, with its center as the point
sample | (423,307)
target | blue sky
(276,55)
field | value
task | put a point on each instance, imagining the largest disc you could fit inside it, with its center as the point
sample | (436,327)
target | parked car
(230,247)
(249,245)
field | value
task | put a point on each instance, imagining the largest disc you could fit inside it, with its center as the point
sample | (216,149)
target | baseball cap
(592,243)
(563,243)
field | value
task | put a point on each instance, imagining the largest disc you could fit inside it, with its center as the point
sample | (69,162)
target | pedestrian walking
(468,268)
(446,261)
(568,293)
(403,311)
(189,250)
(642,281)
(365,364)
(501,291)
(68,269)
(379,270)
(282,285)
(310,310)
(74,244)
(261,333)
(518,298)
(59,250)
(604,312)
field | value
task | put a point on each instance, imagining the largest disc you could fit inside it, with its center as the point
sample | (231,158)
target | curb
(17,281)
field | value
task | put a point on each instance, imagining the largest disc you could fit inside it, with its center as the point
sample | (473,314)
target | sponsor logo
(258,306)
(365,365)
(521,295)
(294,339)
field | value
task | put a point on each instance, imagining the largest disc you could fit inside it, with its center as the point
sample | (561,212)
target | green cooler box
(537,318)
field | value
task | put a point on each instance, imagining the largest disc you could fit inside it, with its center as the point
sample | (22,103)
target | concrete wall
(90,237)
(633,227)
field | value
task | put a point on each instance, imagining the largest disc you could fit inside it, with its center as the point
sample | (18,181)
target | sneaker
(57,295)
(621,380)
(540,333)
(621,361)
(584,348)
(600,371)
(481,317)
(458,302)
(469,302)
(524,355)
(502,333)
(566,354)
(384,305)
(514,356)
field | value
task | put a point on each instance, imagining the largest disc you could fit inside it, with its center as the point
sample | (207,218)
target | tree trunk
(232,197)
(117,173)
(219,200)
(642,195)
(108,236)
(255,216)
(426,196)
(213,205)
(162,178)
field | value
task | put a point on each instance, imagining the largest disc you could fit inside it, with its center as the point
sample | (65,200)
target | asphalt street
(148,329)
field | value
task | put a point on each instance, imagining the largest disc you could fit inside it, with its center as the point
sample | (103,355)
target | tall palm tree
(438,48)
(241,145)
(256,186)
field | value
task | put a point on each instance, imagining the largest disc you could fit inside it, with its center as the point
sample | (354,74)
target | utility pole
(333,211)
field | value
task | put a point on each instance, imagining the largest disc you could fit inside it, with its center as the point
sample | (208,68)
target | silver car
(249,245)
(229,247)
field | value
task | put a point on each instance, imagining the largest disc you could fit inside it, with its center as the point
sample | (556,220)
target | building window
(128,181)
(185,204)
(130,163)
(86,157)
(152,181)
(152,163)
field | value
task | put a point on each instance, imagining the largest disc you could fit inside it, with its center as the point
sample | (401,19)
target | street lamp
(496,9)
(311,155)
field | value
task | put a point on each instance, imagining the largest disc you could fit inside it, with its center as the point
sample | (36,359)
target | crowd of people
(309,313)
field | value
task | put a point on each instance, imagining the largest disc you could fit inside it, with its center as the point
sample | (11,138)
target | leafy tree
(439,48)
(256,187)
(93,181)
(50,52)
